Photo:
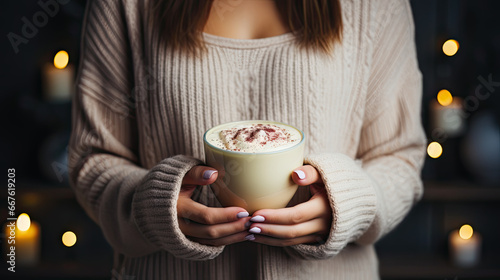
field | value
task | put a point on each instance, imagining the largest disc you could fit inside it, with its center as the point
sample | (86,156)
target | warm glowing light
(69,238)
(450,47)
(23,222)
(444,97)
(466,232)
(434,150)
(61,59)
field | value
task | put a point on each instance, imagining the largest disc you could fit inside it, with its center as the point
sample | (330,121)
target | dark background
(461,187)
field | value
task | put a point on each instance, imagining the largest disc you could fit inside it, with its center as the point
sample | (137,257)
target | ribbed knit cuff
(352,198)
(154,209)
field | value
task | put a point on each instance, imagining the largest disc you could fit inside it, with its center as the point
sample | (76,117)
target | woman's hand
(308,222)
(208,225)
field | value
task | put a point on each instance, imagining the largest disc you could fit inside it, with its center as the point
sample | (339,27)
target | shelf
(459,191)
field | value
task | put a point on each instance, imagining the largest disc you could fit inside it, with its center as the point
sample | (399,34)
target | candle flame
(444,97)
(450,47)
(61,59)
(466,232)
(23,222)
(69,238)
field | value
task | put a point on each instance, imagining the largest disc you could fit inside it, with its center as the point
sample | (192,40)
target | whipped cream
(254,137)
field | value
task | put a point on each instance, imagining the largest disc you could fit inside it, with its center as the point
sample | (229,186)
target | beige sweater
(141,109)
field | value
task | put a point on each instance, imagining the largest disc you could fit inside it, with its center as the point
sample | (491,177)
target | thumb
(200,175)
(196,176)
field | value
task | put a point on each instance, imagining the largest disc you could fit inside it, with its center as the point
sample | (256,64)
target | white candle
(58,78)
(448,117)
(26,246)
(465,246)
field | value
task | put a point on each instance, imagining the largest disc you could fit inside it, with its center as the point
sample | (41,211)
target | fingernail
(248,224)
(208,173)
(257,219)
(300,174)
(250,237)
(242,215)
(255,230)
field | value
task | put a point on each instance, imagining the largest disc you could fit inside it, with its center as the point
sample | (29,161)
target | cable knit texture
(141,109)
(153,205)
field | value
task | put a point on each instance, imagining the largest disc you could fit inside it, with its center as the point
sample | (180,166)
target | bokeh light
(434,150)
(465,232)
(444,97)
(23,222)
(69,238)
(450,47)
(61,59)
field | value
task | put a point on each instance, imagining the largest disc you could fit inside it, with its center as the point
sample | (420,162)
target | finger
(271,241)
(231,239)
(306,175)
(192,210)
(200,175)
(193,229)
(315,207)
(319,226)
(317,189)
(187,191)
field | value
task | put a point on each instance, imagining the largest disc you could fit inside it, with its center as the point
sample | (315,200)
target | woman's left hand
(308,222)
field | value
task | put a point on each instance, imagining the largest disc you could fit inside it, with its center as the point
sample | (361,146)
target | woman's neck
(245,19)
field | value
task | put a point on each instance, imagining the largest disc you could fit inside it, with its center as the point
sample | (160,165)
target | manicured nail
(300,174)
(248,224)
(255,230)
(208,173)
(250,237)
(242,215)
(257,219)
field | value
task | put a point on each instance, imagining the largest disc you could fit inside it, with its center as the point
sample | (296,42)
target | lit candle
(27,241)
(465,246)
(447,113)
(58,78)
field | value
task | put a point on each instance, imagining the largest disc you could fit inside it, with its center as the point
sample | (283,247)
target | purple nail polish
(250,237)
(242,215)
(255,230)
(208,173)
(257,219)
(248,224)
(300,174)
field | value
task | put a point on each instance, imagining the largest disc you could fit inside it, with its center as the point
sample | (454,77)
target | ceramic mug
(254,181)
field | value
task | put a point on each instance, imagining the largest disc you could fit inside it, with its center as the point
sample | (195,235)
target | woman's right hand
(208,225)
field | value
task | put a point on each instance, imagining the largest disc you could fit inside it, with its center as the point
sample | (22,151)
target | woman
(155,75)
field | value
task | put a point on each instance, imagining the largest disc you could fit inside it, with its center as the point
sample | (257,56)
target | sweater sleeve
(370,195)
(135,207)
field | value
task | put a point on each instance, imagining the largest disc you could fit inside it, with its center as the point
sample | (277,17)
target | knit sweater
(141,109)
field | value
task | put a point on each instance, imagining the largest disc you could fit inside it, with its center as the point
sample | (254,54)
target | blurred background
(452,233)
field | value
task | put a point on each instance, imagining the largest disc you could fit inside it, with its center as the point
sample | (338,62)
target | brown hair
(317,24)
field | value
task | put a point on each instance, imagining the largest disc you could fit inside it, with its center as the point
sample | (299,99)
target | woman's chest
(227,84)
(308,90)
